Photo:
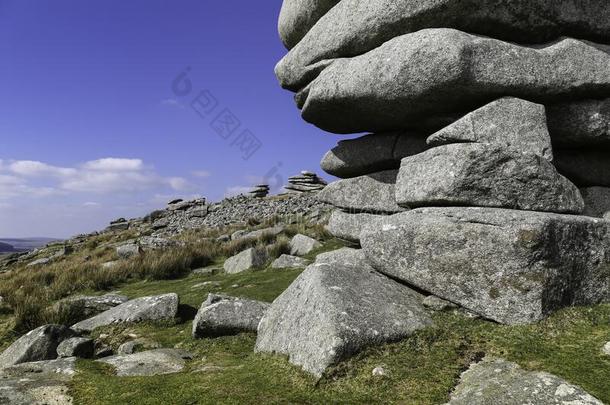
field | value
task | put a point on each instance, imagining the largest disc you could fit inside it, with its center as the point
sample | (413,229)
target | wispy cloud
(108,175)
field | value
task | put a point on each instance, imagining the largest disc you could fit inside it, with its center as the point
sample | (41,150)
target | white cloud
(114,165)
(102,176)
(32,168)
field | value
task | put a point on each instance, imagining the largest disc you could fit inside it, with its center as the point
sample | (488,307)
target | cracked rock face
(438,71)
(511,266)
(510,122)
(348,226)
(355,27)
(500,382)
(337,307)
(486,176)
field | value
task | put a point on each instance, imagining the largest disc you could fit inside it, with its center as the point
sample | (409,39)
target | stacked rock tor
(484,119)
(259,191)
(306,182)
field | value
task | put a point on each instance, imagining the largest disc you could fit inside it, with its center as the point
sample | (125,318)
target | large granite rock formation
(355,27)
(488,113)
(436,71)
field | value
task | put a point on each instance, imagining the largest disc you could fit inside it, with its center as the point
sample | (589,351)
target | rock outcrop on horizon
(306,182)
(487,151)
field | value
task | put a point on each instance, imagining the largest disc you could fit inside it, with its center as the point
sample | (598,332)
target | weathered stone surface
(128,250)
(485,175)
(500,382)
(88,306)
(516,123)
(348,226)
(584,167)
(221,315)
(606,349)
(156,308)
(38,344)
(289,262)
(372,193)
(298,16)
(511,266)
(580,124)
(76,347)
(371,153)
(354,27)
(438,71)
(597,201)
(152,362)
(333,311)
(38,383)
(247,260)
(301,245)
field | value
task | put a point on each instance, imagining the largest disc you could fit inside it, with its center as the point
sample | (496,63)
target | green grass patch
(421,369)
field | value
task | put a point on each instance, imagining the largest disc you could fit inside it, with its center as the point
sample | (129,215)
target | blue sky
(92,127)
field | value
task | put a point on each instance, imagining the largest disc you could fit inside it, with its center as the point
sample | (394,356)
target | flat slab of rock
(512,122)
(372,193)
(500,382)
(597,201)
(221,315)
(156,308)
(514,267)
(484,175)
(152,362)
(584,167)
(371,153)
(580,124)
(38,383)
(289,262)
(333,311)
(247,260)
(354,27)
(38,344)
(437,71)
(301,245)
(348,226)
(88,306)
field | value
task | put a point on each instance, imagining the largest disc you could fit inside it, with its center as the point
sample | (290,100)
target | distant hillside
(8,245)
(6,248)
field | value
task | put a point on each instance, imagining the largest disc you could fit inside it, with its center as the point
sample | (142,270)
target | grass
(420,370)
(30,292)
